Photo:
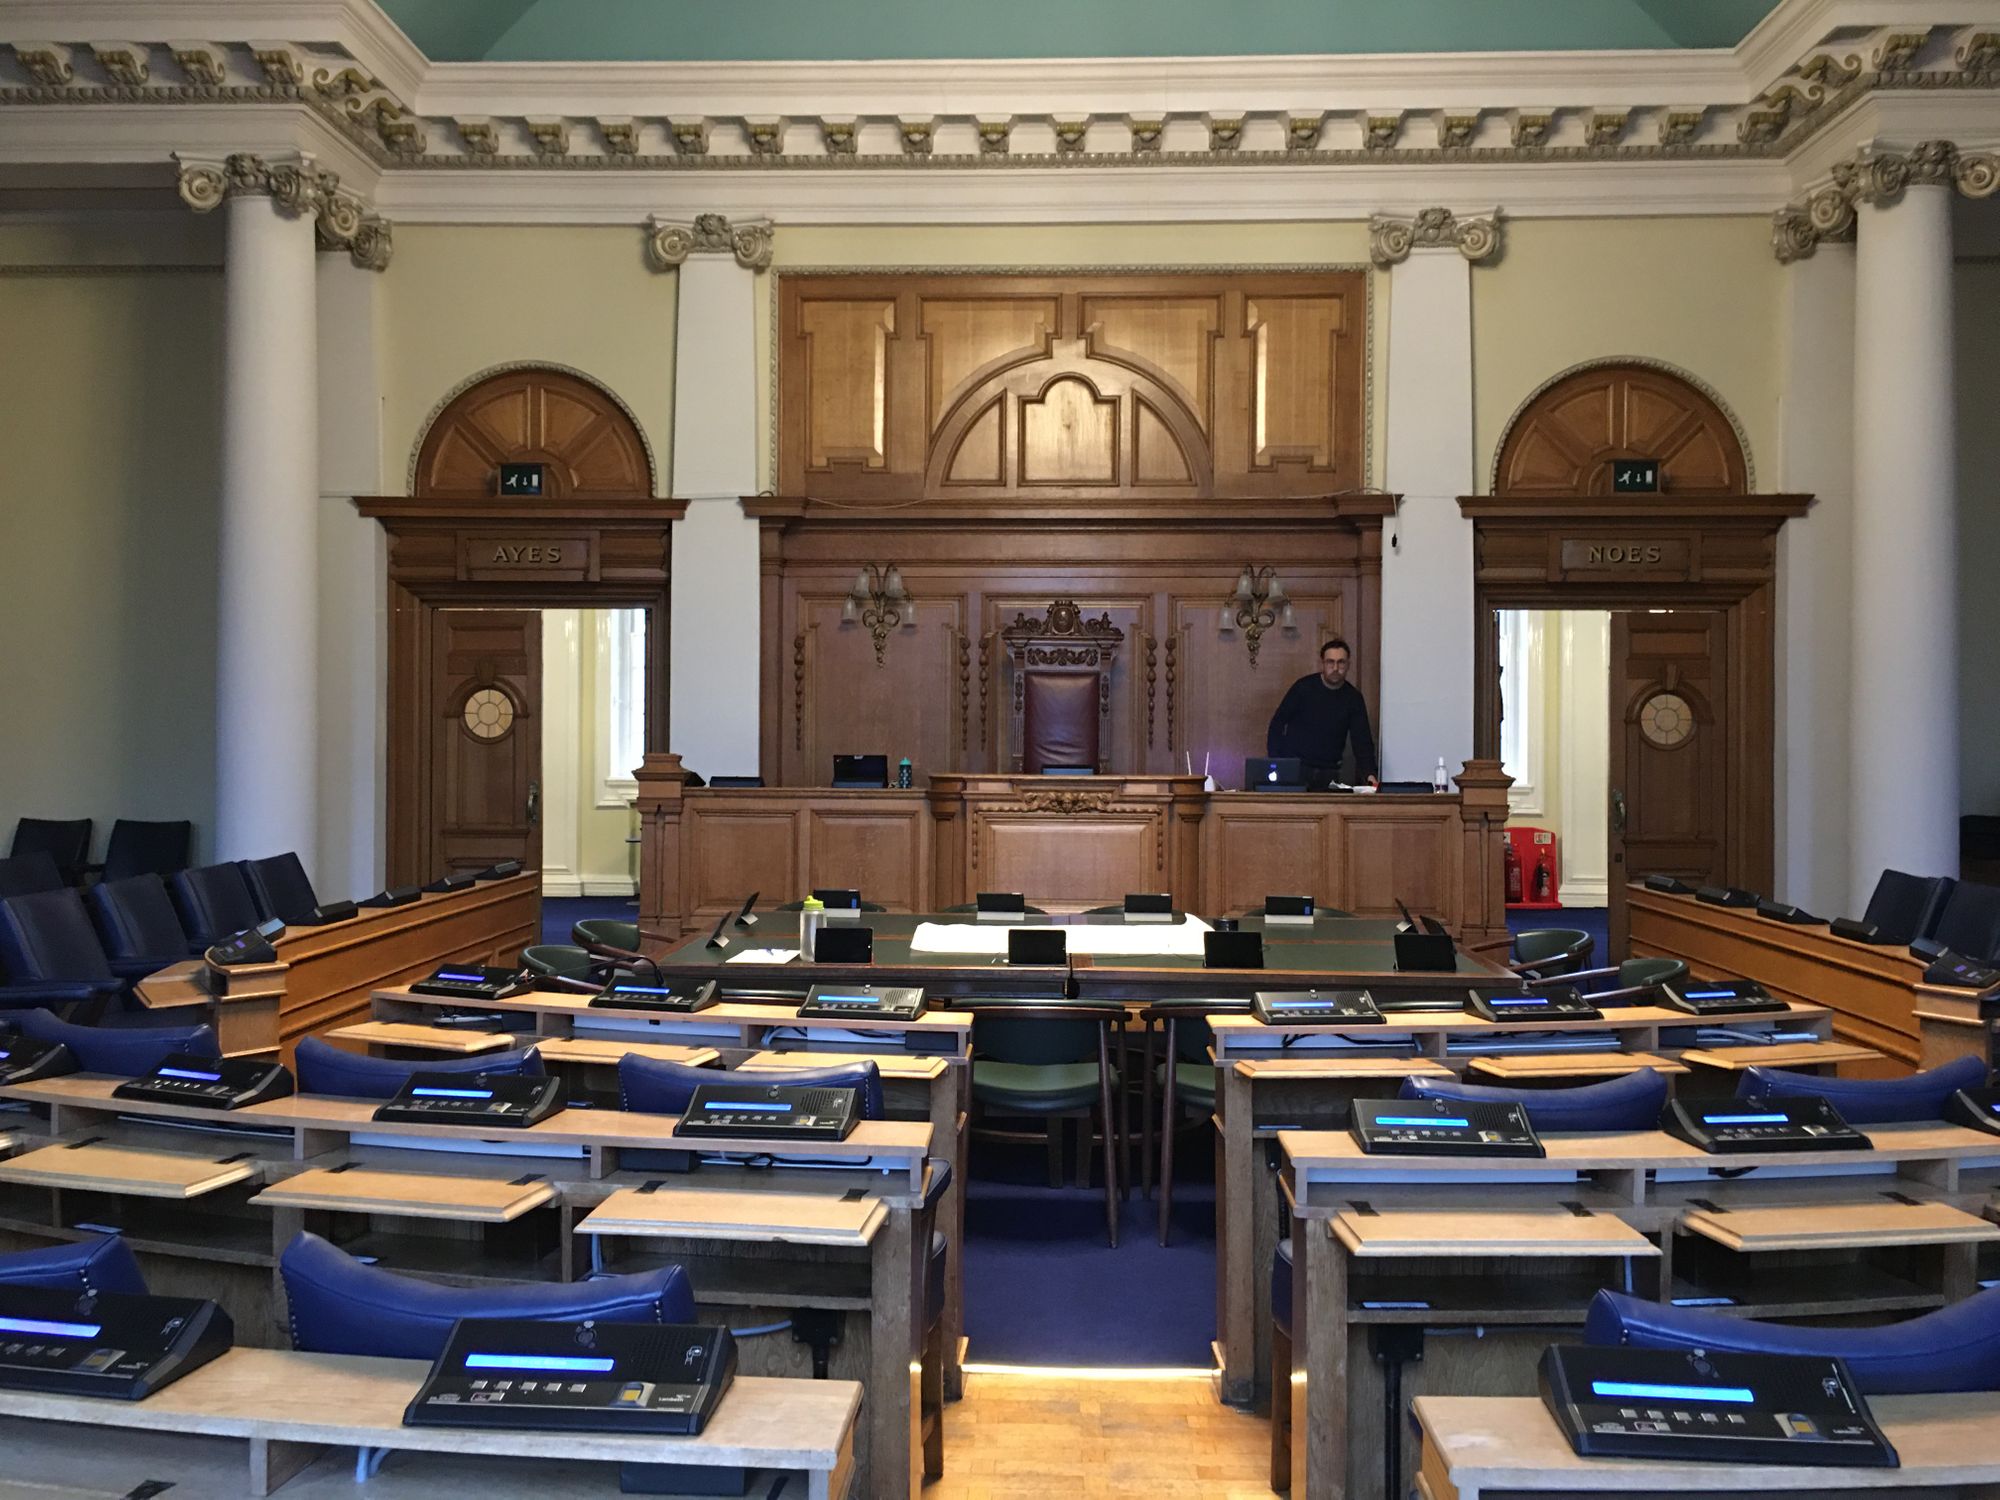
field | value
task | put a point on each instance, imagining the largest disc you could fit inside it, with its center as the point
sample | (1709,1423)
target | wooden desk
(289,1407)
(1561,1067)
(410,1036)
(1875,991)
(1489,1447)
(1805,1056)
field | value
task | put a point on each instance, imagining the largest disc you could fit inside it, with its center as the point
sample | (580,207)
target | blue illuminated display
(190,1073)
(452,1093)
(1418,1120)
(1746,1119)
(1519,1000)
(569,1363)
(50,1330)
(776,1109)
(1711,994)
(852,999)
(643,989)
(457,977)
(1735,1395)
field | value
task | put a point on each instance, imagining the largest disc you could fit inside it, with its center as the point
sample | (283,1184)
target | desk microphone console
(672,999)
(473,982)
(1703,1406)
(799,1112)
(861,1002)
(1562,1002)
(1717,997)
(23,1059)
(645,1379)
(1443,1127)
(1289,1007)
(1978,1109)
(474,1100)
(1807,1123)
(209,1082)
(1954,972)
(71,1343)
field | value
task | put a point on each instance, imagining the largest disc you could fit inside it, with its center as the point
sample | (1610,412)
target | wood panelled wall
(1130,442)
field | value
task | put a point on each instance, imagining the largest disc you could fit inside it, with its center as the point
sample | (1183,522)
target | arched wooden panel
(1563,442)
(592,446)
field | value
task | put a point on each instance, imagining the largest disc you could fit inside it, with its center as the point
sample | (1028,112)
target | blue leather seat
(121,1051)
(648,1086)
(280,887)
(64,840)
(51,953)
(142,848)
(1906,907)
(135,918)
(1956,1348)
(1870,1101)
(1970,921)
(337,1305)
(1633,1102)
(214,902)
(323,1068)
(25,874)
(99,1263)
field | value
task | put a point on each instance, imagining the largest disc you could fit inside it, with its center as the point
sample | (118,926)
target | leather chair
(135,918)
(1870,1101)
(97,1263)
(1956,1348)
(66,841)
(1059,720)
(1185,1080)
(120,1051)
(336,1305)
(26,874)
(280,887)
(214,902)
(140,848)
(606,937)
(1906,907)
(1633,1102)
(558,961)
(52,955)
(1634,982)
(322,1068)
(1970,921)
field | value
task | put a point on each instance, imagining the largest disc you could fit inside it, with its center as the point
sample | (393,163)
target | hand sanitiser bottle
(1439,781)
(812,912)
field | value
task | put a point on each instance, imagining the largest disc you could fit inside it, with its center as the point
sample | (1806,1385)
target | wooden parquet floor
(1022,1436)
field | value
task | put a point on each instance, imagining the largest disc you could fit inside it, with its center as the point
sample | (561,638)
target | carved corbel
(1679,127)
(203,64)
(994,134)
(917,134)
(690,136)
(1071,134)
(1225,132)
(1455,131)
(1606,128)
(1302,131)
(282,66)
(126,64)
(766,136)
(550,134)
(621,135)
(1391,239)
(840,137)
(1146,133)
(1531,128)
(50,64)
(480,134)
(669,242)
(1380,132)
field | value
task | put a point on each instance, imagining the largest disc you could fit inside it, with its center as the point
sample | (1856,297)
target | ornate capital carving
(1390,240)
(1302,132)
(1877,177)
(126,64)
(297,186)
(669,243)
(993,136)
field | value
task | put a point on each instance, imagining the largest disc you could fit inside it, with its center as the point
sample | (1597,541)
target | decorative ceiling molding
(1390,239)
(1875,175)
(297,185)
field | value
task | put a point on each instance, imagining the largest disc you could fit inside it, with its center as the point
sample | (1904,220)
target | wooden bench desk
(411,1036)
(1500,1447)
(290,1407)
(598,1052)
(1813,1057)
(1562,1067)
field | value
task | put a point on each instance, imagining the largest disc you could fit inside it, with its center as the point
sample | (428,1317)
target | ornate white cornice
(669,242)
(298,186)
(1391,239)
(1875,175)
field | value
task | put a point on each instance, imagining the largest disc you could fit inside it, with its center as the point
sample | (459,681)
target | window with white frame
(621,704)
(1521,707)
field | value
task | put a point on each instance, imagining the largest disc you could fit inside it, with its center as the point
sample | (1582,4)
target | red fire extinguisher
(1513,863)
(1544,880)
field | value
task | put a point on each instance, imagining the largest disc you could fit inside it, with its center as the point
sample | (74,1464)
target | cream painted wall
(584,852)
(110,415)
(1701,294)
(1978,299)
(1568,710)
(458,300)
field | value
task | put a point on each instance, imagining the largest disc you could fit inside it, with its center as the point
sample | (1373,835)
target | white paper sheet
(1101,939)
(764,956)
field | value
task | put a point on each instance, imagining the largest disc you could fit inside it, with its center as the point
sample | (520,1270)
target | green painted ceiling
(826,30)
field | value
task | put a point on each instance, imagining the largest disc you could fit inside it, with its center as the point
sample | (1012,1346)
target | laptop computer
(1274,773)
(861,770)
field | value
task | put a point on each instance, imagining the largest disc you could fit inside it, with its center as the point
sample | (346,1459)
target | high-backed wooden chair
(1062,688)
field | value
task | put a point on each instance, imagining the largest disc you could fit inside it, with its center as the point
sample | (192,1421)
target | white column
(1427,628)
(1903,716)
(267,730)
(353,605)
(1815,580)
(712,710)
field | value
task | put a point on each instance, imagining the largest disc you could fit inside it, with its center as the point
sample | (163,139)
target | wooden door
(486,742)
(1669,751)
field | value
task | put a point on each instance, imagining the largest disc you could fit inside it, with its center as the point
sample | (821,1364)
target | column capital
(1878,176)
(297,186)
(1391,239)
(669,242)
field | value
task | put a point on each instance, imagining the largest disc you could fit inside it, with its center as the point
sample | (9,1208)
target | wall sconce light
(1259,604)
(879,601)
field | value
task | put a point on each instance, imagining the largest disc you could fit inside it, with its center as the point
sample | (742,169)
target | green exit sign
(1635,476)
(521,480)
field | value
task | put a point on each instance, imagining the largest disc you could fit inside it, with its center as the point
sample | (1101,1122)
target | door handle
(1617,811)
(534,803)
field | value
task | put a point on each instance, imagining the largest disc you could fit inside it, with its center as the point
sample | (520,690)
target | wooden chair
(1544,952)
(1637,981)
(1186,1079)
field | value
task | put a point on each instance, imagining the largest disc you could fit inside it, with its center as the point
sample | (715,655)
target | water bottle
(1440,782)
(812,912)
(903,773)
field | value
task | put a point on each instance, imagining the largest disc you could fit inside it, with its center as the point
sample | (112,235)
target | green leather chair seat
(1043,1088)
(1194,1084)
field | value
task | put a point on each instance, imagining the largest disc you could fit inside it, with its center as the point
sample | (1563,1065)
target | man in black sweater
(1322,714)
